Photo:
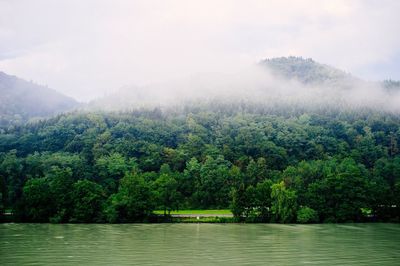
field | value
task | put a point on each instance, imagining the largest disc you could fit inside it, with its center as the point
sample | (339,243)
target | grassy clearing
(197,212)
(204,220)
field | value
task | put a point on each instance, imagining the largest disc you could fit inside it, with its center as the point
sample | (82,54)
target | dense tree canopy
(281,165)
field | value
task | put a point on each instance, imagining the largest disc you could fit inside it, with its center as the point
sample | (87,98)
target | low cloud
(88,48)
(257,85)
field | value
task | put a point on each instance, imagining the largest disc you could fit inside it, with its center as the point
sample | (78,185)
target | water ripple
(199,244)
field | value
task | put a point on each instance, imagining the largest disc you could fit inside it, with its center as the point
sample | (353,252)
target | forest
(280,165)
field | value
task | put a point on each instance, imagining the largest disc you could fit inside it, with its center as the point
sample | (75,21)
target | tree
(112,168)
(1,207)
(263,200)
(251,173)
(344,165)
(189,180)
(397,201)
(88,200)
(133,202)
(256,171)
(37,203)
(60,182)
(211,190)
(11,169)
(166,187)
(47,198)
(239,201)
(340,196)
(283,203)
(175,158)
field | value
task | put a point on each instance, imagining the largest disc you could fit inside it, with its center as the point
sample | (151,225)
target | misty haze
(199,132)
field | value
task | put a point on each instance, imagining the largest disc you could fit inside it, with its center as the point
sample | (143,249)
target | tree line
(266,166)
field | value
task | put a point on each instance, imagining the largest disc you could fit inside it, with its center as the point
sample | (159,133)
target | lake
(199,244)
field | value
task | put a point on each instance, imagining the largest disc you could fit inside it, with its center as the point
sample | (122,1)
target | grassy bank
(197,212)
(197,216)
(203,220)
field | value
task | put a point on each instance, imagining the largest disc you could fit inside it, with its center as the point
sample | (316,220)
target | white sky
(86,48)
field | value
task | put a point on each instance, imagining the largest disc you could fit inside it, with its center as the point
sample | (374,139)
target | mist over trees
(21,101)
(284,82)
(304,145)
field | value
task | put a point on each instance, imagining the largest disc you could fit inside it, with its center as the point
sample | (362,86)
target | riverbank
(181,216)
(197,216)
(223,212)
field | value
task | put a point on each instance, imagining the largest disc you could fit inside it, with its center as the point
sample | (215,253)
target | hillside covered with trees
(21,101)
(319,149)
(282,166)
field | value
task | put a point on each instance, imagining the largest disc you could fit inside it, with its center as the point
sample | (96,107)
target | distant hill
(310,72)
(292,80)
(21,101)
(391,85)
(307,71)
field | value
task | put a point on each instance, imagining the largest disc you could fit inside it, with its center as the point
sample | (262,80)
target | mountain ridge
(21,101)
(306,70)
(294,80)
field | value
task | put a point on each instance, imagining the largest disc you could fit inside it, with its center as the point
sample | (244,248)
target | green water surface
(199,244)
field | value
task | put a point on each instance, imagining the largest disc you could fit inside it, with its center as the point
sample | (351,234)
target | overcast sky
(85,48)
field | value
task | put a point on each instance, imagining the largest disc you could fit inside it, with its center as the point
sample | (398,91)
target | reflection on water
(199,244)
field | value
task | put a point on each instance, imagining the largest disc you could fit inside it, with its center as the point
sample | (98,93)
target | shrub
(307,215)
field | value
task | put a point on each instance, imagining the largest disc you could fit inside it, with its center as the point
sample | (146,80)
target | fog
(88,49)
(256,84)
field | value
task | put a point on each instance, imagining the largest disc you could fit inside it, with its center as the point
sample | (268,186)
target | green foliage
(11,170)
(239,201)
(133,202)
(111,168)
(261,163)
(263,200)
(88,200)
(60,182)
(340,196)
(284,203)
(166,187)
(210,190)
(38,205)
(307,215)
(1,207)
(252,203)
